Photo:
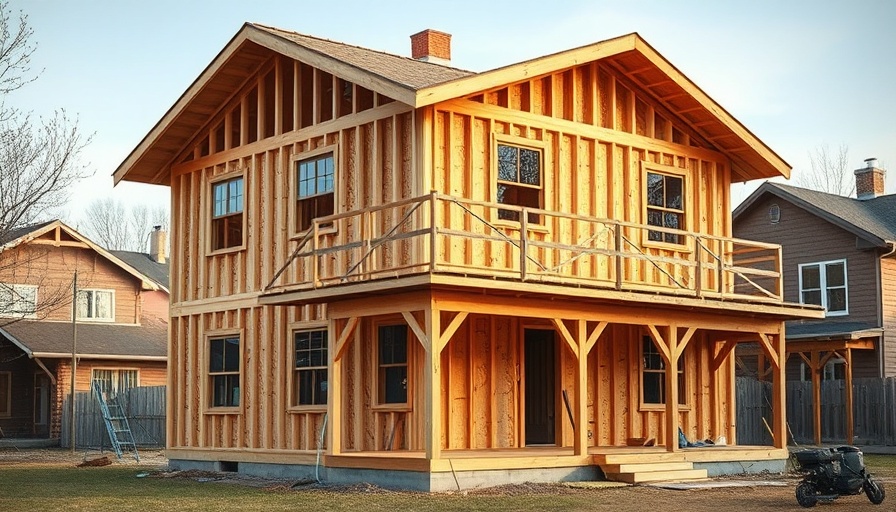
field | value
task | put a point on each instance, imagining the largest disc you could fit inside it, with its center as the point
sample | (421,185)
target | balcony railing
(440,234)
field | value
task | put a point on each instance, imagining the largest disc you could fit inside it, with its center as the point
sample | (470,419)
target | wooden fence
(144,407)
(874,411)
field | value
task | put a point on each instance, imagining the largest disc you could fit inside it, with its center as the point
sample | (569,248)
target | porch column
(337,345)
(581,345)
(774,345)
(432,380)
(850,427)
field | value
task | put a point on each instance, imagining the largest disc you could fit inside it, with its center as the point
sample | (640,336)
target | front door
(41,426)
(541,387)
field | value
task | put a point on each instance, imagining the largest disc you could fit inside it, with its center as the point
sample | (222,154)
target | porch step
(636,473)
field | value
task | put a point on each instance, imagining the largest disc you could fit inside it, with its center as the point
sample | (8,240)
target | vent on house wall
(774,214)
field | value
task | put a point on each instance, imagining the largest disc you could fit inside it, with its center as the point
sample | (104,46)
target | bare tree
(113,225)
(830,171)
(39,164)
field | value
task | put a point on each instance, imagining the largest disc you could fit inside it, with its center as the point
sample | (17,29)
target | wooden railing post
(315,267)
(433,233)
(698,279)
(619,259)
(720,268)
(524,242)
(364,249)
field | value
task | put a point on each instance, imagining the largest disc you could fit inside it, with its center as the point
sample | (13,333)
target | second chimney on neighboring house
(158,243)
(869,180)
(431,46)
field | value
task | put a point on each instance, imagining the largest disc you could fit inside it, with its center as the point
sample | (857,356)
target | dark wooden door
(541,387)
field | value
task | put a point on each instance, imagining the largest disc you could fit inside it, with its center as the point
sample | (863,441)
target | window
(18,300)
(393,364)
(665,206)
(314,190)
(519,180)
(115,382)
(96,305)
(653,375)
(5,394)
(227,214)
(310,383)
(224,371)
(825,284)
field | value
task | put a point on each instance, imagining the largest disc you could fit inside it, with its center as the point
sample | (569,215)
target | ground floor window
(653,375)
(224,371)
(393,364)
(310,380)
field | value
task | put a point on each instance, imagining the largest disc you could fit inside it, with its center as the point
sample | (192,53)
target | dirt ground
(755,493)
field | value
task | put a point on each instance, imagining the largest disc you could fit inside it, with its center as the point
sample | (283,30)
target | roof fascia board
(811,208)
(17,343)
(714,108)
(289,48)
(524,70)
(81,355)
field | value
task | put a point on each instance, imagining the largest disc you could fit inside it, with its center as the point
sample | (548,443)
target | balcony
(440,235)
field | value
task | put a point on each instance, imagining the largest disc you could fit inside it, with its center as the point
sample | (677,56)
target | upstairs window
(314,190)
(824,284)
(519,180)
(310,382)
(227,214)
(653,375)
(393,364)
(115,382)
(18,300)
(97,305)
(224,371)
(665,206)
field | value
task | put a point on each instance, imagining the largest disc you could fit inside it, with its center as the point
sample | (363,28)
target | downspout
(44,368)
(880,353)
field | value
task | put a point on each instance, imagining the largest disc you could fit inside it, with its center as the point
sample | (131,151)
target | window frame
(822,283)
(297,159)
(648,168)
(211,217)
(379,401)
(294,371)
(110,291)
(208,387)
(6,408)
(116,376)
(12,287)
(683,385)
(535,220)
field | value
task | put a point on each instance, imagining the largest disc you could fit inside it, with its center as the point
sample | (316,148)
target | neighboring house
(451,278)
(838,252)
(121,331)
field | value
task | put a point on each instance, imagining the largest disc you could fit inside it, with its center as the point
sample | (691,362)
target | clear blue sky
(797,73)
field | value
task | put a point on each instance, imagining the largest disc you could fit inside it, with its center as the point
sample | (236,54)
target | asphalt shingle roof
(401,70)
(157,272)
(43,337)
(16,233)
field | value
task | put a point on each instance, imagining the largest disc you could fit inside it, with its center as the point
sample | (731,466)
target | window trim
(822,282)
(684,399)
(666,170)
(6,411)
(209,212)
(292,405)
(525,143)
(13,286)
(409,340)
(206,389)
(98,320)
(294,186)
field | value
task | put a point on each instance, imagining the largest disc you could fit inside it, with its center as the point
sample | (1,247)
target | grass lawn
(51,487)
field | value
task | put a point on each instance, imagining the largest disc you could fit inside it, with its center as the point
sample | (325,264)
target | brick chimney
(869,180)
(431,46)
(158,242)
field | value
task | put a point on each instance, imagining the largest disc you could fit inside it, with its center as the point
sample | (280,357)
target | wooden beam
(770,351)
(594,336)
(334,388)
(779,391)
(850,421)
(567,337)
(660,343)
(719,358)
(432,413)
(455,323)
(672,425)
(816,396)
(341,342)
(683,342)
(580,430)
(422,336)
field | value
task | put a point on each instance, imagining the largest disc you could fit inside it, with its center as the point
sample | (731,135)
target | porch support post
(780,391)
(586,342)
(815,358)
(432,409)
(850,427)
(338,341)
(667,348)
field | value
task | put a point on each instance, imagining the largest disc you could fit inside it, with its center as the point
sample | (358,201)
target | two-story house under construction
(419,276)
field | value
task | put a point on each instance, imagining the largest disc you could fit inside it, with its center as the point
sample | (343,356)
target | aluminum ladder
(116,424)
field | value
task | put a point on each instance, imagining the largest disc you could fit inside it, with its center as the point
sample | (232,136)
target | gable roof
(46,339)
(143,263)
(417,84)
(26,234)
(873,220)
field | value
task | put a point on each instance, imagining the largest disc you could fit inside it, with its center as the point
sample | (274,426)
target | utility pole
(74,357)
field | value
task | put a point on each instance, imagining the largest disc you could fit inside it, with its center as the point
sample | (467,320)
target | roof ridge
(381,52)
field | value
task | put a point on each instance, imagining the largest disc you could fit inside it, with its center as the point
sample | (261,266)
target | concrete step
(658,476)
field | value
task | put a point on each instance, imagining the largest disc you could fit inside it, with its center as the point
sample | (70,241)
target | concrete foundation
(743,467)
